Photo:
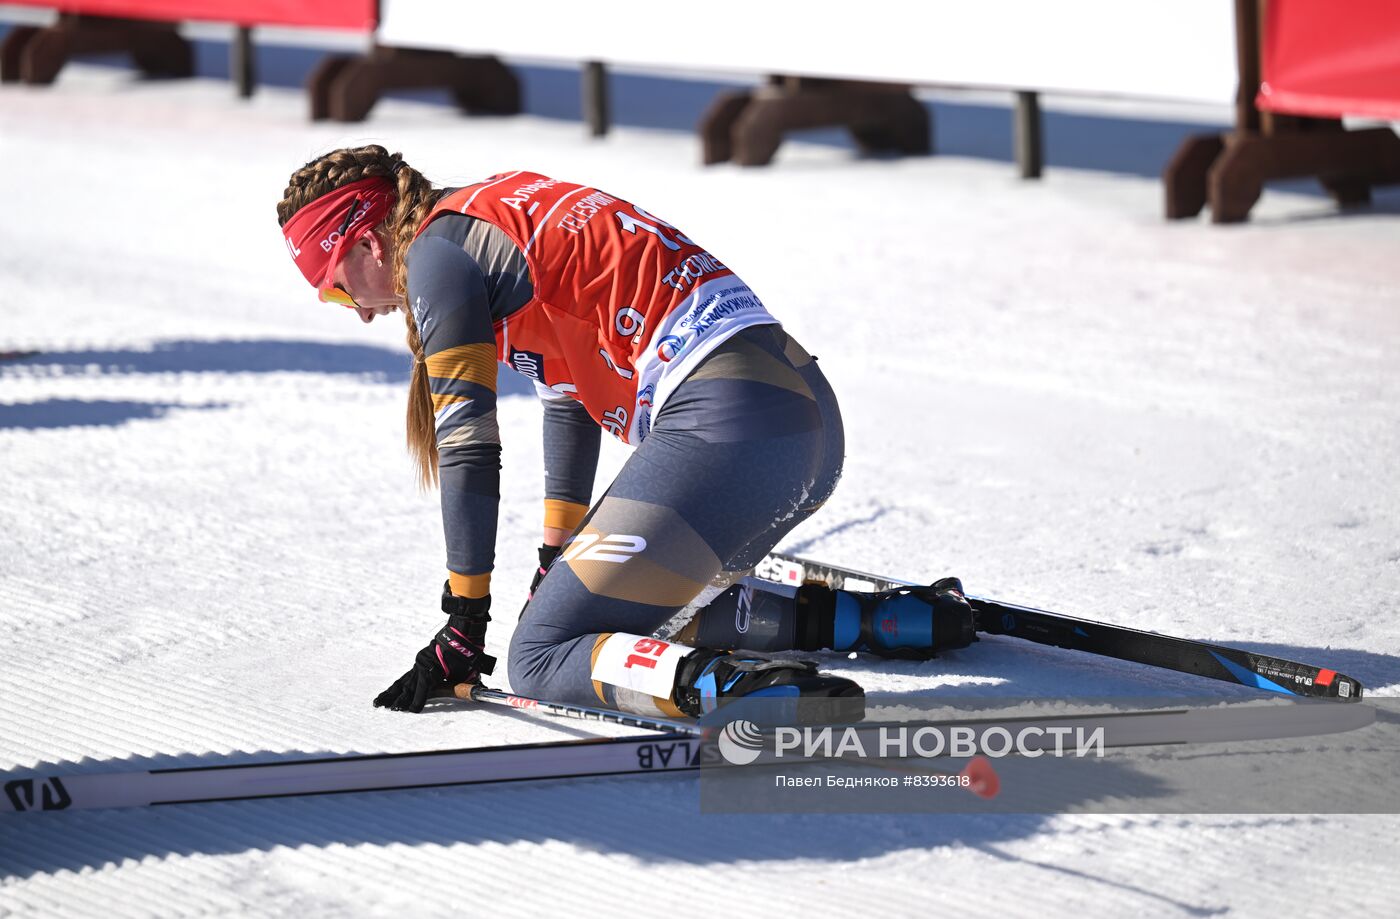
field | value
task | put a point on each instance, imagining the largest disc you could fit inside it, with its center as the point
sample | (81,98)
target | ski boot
(910,623)
(907,623)
(764,691)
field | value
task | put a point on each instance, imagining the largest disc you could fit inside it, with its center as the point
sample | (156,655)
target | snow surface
(211,544)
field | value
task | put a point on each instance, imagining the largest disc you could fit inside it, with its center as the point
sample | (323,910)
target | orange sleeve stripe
(442,400)
(564,515)
(473,586)
(471,363)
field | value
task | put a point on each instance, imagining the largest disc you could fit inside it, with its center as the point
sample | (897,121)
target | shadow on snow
(370,363)
(79,413)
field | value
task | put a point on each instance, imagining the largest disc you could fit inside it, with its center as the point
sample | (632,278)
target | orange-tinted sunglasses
(330,291)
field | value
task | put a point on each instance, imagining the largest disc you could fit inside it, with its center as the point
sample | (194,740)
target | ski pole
(982,777)
(475,692)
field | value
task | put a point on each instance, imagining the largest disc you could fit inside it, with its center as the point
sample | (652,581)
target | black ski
(1183,655)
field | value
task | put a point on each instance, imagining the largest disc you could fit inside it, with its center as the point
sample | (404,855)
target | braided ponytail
(416,198)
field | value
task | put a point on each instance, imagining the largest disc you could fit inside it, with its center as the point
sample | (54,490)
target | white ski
(652,754)
(352,773)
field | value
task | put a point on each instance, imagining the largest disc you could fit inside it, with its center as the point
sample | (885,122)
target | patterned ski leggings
(746,448)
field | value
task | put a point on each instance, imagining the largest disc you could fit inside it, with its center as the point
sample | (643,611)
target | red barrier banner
(1328,59)
(360,15)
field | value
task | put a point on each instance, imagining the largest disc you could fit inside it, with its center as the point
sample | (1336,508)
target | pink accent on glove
(543,572)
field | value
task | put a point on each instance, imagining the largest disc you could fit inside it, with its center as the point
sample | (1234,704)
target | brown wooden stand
(748,127)
(1228,171)
(345,88)
(36,55)
(10,52)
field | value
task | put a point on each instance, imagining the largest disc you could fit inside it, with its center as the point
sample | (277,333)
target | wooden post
(240,63)
(1247,38)
(595,98)
(1030,152)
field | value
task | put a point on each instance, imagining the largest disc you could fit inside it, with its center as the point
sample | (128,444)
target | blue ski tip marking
(1250,678)
(1079,631)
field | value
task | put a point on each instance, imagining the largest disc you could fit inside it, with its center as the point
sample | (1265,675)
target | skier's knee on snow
(531,660)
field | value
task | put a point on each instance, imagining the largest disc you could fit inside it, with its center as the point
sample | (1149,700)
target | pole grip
(461,691)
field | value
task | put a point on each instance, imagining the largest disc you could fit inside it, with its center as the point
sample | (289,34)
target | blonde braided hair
(416,198)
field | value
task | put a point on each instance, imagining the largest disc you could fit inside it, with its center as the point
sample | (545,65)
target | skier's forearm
(571,444)
(471,483)
(452,307)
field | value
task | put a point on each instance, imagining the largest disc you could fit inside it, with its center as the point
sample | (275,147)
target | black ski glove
(456,655)
(547,556)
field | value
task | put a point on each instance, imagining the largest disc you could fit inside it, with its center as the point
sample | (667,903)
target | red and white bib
(625,304)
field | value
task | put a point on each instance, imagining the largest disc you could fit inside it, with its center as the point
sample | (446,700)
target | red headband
(314,234)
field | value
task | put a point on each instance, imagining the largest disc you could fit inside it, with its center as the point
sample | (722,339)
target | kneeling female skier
(624,323)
